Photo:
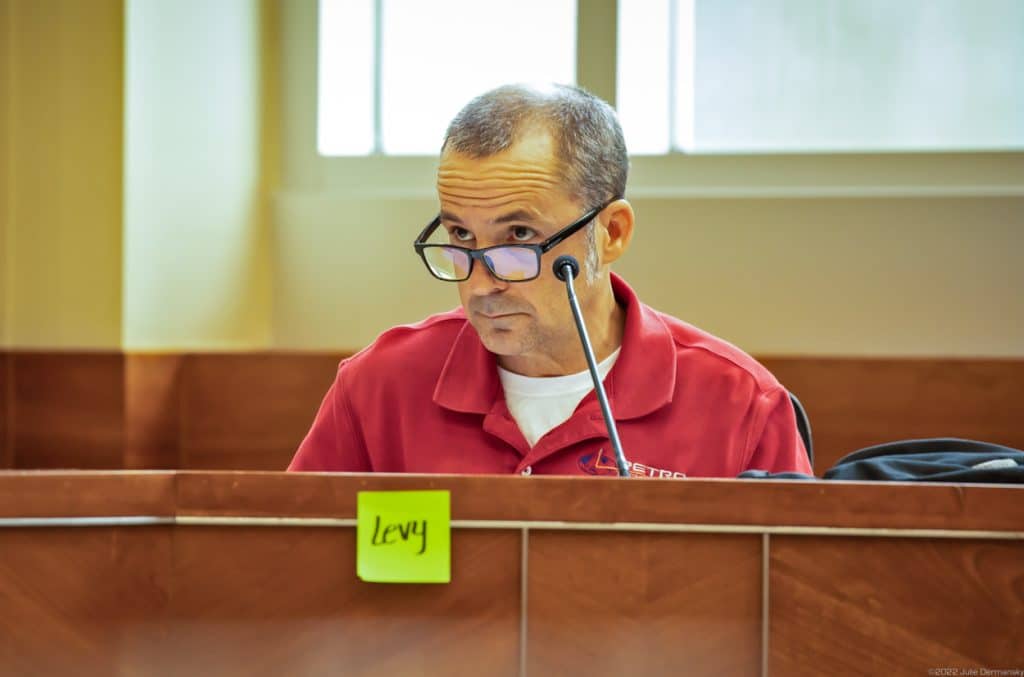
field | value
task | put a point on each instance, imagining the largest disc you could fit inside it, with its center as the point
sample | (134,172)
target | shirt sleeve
(333,443)
(778,446)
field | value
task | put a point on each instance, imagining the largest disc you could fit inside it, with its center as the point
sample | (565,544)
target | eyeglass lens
(508,263)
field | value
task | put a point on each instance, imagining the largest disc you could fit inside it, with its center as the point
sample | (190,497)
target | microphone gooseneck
(566,268)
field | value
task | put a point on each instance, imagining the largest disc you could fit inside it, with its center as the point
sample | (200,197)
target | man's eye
(460,234)
(522,233)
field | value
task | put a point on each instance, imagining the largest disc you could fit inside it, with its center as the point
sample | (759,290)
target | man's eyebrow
(518,215)
(448,217)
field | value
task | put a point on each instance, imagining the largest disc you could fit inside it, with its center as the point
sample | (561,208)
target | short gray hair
(591,152)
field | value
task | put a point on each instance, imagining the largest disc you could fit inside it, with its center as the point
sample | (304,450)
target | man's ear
(617,223)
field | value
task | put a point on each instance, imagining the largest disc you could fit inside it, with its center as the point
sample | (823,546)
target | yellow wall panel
(5,158)
(195,266)
(63,141)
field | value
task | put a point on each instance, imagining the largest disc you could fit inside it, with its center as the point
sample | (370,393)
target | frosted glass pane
(438,55)
(345,110)
(827,75)
(643,77)
(822,75)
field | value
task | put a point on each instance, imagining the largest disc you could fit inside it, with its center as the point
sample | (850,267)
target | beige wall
(195,264)
(62,152)
(863,276)
(818,254)
(829,276)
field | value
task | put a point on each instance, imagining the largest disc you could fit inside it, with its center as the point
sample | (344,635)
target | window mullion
(673,76)
(378,52)
(597,47)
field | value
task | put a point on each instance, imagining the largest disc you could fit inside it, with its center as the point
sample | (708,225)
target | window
(710,76)
(696,76)
(394,72)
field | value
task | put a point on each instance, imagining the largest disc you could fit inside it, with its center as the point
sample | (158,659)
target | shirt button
(528,470)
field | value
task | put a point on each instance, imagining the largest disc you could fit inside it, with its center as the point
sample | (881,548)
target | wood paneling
(68,410)
(152,410)
(894,606)
(250,411)
(556,499)
(77,601)
(163,411)
(859,402)
(6,427)
(34,493)
(294,594)
(234,598)
(247,601)
(643,604)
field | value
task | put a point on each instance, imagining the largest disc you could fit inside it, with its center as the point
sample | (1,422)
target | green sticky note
(403,536)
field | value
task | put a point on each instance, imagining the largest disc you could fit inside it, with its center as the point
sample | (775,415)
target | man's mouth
(498,315)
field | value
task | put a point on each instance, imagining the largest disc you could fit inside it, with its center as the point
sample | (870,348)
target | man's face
(514,197)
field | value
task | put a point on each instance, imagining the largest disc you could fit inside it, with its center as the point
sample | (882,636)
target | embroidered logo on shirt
(601,464)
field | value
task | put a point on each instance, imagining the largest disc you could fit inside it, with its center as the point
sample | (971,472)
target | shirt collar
(642,380)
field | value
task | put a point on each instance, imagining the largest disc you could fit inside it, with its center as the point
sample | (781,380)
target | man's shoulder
(441,328)
(695,346)
(409,348)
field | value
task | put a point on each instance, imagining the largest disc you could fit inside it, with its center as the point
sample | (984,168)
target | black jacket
(940,459)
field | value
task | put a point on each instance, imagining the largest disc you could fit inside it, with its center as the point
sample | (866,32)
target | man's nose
(482,283)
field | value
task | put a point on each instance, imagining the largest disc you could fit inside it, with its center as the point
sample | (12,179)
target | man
(501,385)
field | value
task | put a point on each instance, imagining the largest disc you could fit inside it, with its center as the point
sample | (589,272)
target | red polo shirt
(426,398)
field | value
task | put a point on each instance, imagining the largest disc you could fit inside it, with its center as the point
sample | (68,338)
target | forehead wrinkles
(493,183)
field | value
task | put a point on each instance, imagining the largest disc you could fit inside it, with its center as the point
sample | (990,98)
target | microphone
(566,268)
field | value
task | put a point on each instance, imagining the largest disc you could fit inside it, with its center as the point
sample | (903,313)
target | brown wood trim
(66,409)
(249,411)
(590,499)
(858,402)
(152,411)
(862,505)
(6,424)
(34,493)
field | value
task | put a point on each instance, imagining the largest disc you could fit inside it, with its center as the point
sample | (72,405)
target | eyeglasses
(507,262)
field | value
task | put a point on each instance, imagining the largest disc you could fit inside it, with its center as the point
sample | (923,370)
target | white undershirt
(539,404)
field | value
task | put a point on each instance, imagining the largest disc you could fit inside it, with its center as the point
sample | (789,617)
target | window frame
(672,175)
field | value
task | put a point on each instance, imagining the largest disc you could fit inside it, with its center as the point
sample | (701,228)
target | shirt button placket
(528,470)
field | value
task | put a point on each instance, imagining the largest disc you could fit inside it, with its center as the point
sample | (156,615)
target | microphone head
(563,262)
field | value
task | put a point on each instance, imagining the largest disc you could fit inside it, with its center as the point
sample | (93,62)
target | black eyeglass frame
(539,249)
